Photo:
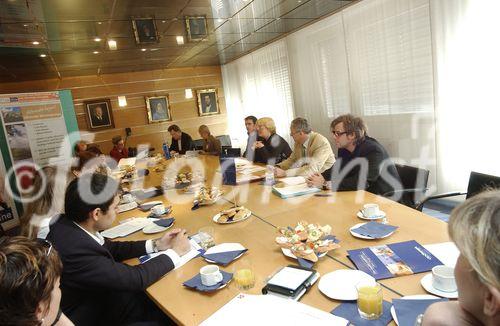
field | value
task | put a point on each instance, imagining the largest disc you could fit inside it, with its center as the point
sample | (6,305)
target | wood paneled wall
(135,86)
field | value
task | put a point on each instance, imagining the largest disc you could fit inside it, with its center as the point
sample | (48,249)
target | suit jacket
(378,161)
(249,153)
(275,150)
(117,155)
(186,144)
(93,274)
(319,157)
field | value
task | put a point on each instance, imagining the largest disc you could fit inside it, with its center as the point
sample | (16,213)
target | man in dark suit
(362,162)
(99,117)
(181,142)
(250,125)
(97,289)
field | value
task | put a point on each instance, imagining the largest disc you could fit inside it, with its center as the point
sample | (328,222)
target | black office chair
(414,182)
(230,152)
(225,141)
(198,144)
(478,182)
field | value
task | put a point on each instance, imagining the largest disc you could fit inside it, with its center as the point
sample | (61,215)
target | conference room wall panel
(136,86)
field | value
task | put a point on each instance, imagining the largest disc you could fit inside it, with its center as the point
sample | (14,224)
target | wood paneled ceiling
(66,32)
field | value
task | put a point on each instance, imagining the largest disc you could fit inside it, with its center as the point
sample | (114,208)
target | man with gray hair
(312,152)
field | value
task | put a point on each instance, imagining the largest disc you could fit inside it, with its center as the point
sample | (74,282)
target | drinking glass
(206,236)
(369,299)
(243,274)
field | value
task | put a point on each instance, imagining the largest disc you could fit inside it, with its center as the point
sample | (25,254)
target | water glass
(369,299)
(206,236)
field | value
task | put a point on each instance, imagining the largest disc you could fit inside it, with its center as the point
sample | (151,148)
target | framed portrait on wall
(196,27)
(158,108)
(207,102)
(145,30)
(99,114)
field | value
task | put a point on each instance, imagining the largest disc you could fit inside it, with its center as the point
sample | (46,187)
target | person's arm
(99,271)
(286,164)
(174,146)
(316,163)
(121,250)
(189,143)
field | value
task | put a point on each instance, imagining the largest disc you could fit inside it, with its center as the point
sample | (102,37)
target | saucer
(411,297)
(357,235)
(426,283)
(363,217)
(153,228)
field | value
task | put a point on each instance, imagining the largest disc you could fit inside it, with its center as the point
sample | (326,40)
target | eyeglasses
(47,244)
(338,133)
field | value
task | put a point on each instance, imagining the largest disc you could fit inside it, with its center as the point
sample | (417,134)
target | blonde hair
(475,228)
(50,202)
(268,123)
(204,128)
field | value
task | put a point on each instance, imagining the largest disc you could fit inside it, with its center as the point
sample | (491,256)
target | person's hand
(180,243)
(315,180)
(165,242)
(279,173)
(258,144)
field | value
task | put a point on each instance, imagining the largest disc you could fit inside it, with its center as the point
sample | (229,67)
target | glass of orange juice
(369,299)
(243,274)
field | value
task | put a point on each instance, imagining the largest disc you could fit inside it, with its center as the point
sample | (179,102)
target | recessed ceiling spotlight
(35,42)
(229,18)
(163,21)
(220,20)
(99,23)
(174,19)
(180,40)
(25,25)
(95,52)
(97,39)
(143,50)
(43,55)
(278,18)
(112,45)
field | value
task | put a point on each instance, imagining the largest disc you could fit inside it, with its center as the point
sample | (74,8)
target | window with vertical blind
(390,56)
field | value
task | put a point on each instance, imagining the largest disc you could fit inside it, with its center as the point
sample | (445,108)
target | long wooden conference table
(258,232)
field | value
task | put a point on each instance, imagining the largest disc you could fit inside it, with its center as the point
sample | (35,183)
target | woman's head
(29,281)
(266,127)
(48,195)
(475,228)
(204,131)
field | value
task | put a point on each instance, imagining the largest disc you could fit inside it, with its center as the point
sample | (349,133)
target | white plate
(341,284)
(357,235)
(216,218)
(287,252)
(411,297)
(426,282)
(224,247)
(378,217)
(153,228)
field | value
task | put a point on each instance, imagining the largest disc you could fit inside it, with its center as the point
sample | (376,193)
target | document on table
(446,252)
(127,161)
(247,309)
(184,258)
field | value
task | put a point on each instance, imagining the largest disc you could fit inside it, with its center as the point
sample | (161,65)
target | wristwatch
(155,245)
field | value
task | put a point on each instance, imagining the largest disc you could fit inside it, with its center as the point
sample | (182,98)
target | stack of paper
(246,309)
(293,190)
(446,252)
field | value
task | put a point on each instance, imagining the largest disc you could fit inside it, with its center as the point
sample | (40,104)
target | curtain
(467,79)
(259,84)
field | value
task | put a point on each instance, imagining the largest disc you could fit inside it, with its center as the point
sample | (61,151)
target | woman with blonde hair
(30,271)
(273,149)
(474,226)
(211,145)
(40,213)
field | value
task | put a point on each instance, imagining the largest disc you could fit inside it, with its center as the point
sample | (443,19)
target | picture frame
(99,114)
(158,109)
(208,102)
(196,28)
(145,30)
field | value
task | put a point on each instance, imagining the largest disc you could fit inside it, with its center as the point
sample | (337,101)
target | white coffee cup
(158,210)
(210,275)
(371,210)
(127,198)
(443,278)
